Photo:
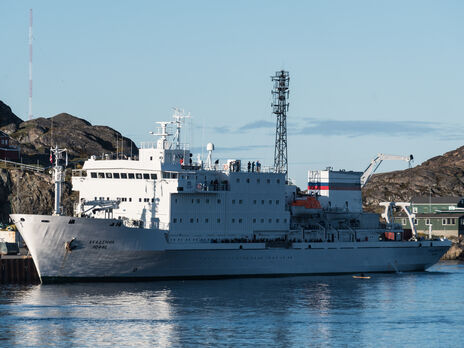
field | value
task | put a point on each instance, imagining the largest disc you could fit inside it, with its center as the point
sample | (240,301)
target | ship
(164,215)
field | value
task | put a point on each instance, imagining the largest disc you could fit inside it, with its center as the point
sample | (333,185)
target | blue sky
(366,76)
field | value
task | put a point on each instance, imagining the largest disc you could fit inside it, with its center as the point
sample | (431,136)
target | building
(7,151)
(444,215)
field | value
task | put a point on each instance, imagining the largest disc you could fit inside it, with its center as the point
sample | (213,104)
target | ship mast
(56,155)
(178,116)
(280,104)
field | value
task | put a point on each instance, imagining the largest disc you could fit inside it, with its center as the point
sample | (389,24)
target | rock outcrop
(439,176)
(23,191)
(8,120)
(81,138)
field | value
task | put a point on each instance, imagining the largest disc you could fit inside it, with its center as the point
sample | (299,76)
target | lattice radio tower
(280,104)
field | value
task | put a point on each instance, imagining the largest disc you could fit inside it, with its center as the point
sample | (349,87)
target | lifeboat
(307,205)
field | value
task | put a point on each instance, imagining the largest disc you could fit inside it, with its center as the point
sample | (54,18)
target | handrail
(24,166)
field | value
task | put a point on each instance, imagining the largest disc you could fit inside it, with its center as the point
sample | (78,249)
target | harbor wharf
(17,269)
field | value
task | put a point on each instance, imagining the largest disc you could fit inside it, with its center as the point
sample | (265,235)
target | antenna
(179,116)
(279,104)
(30,64)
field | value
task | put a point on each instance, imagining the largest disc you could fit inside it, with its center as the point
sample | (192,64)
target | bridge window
(115,175)
(123,175)
(138,175)
(146,176)
(109,175)
(93,175)
(101,175)
(153,176)
(131,176)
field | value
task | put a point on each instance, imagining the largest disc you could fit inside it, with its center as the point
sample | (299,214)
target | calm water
(410,309)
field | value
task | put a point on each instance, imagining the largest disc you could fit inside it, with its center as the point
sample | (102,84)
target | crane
(375,163)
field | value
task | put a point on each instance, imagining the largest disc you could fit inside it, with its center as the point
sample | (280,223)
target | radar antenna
(280,104)
(163,141)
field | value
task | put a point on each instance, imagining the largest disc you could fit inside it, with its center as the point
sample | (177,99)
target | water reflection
(266,312)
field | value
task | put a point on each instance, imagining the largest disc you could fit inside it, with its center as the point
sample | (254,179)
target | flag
(51,157)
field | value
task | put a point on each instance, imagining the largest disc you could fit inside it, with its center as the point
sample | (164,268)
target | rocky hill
(81,138)
(30,192)
(440,176)
(8,120)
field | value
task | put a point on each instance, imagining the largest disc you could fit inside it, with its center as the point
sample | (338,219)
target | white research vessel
(164,216)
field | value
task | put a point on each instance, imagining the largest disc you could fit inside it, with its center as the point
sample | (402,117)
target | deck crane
(375,163)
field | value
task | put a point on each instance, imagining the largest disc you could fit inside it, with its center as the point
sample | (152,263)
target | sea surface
(423,309)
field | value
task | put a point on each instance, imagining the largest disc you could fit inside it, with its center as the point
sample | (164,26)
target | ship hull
(100,250)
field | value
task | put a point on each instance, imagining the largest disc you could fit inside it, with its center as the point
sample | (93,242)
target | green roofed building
(445,215)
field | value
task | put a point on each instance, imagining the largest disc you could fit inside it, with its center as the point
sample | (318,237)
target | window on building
(198,200)
(173,175)
(123,175)
(240,221)
(233,220)
(443,221)
(130,199)
(285,220)
(268,181)
(206,220)
(278,181)
(233,201)
(254,201)
(269,220)
(174,220)
(270,201)
(277,202)
(116,175)
(262,201)
(277,220)
(240,201)
(453,221)
(414,209)
(248,180)
(262,220)
(166,175)
(415,221)
(218,220)
(403,221)
(207,201)
(93,175)
(238,180)
(427,221)
(140,199)
(254,220)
